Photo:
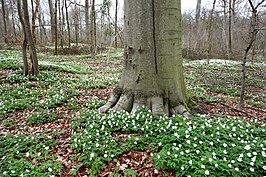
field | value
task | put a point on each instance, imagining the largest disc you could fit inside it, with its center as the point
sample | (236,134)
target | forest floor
(49,126)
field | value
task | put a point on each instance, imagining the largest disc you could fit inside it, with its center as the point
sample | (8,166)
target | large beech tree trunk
(153,71)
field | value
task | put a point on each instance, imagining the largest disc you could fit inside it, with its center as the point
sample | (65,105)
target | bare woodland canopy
(77,24)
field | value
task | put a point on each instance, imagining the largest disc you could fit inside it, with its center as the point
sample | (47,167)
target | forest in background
(49,123)
(219,31)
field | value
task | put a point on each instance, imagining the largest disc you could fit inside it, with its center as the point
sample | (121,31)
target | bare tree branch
(262,1)
(254,8)
(71,2)
(251,5)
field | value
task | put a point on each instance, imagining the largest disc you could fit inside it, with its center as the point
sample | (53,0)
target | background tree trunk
(34,17)
(93,28)
(210,33)
(153,72)
(87,21)
(198,10)
(34,60)
(55,28)
(198,25)
(230,27)
(24,44)
(13,20)
(4,20)
(68,26)
(116,21)
(41,27)
(61,23)
(76,23)
(252,37)
(52,19)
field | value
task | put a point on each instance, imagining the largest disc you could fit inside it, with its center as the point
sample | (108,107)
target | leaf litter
(139,161)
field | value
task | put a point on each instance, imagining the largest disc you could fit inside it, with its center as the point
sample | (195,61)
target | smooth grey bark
(198,25)
(87,21)
(41,26)
(93,28)
(55,28)
(210,32)
(68,26)
(116,25)
(25,42)
(4,20)
(52,19)
(25,22)
(62,23)
(230,26)
(34,60)
(76,23)
(153,72)
(198,10)
(34,17)
(13,20)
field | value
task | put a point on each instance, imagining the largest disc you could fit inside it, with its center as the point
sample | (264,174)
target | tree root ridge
(132,101)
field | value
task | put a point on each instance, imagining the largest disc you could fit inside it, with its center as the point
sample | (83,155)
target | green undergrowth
(24,155)
(191,147)
(65,88)
(42,116)
(23,98)
(222,80)
(58,83)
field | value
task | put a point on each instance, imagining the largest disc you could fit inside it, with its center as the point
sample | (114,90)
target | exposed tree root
(131,102)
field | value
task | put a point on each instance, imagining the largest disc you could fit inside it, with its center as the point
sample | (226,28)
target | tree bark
(62,22)
(210,32)
(93,28)
(4,20)
(24,44)
(230,27)
(198,25)
(55,28)
(68,26)
(87,21)
(60,37)
(116,25)
(34,60)
(13,21)
(34,17)
(252,37)
(76,23)
(224,28)
(153,72)
(198,10)
(41,26)
(43,34)
(52,19)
